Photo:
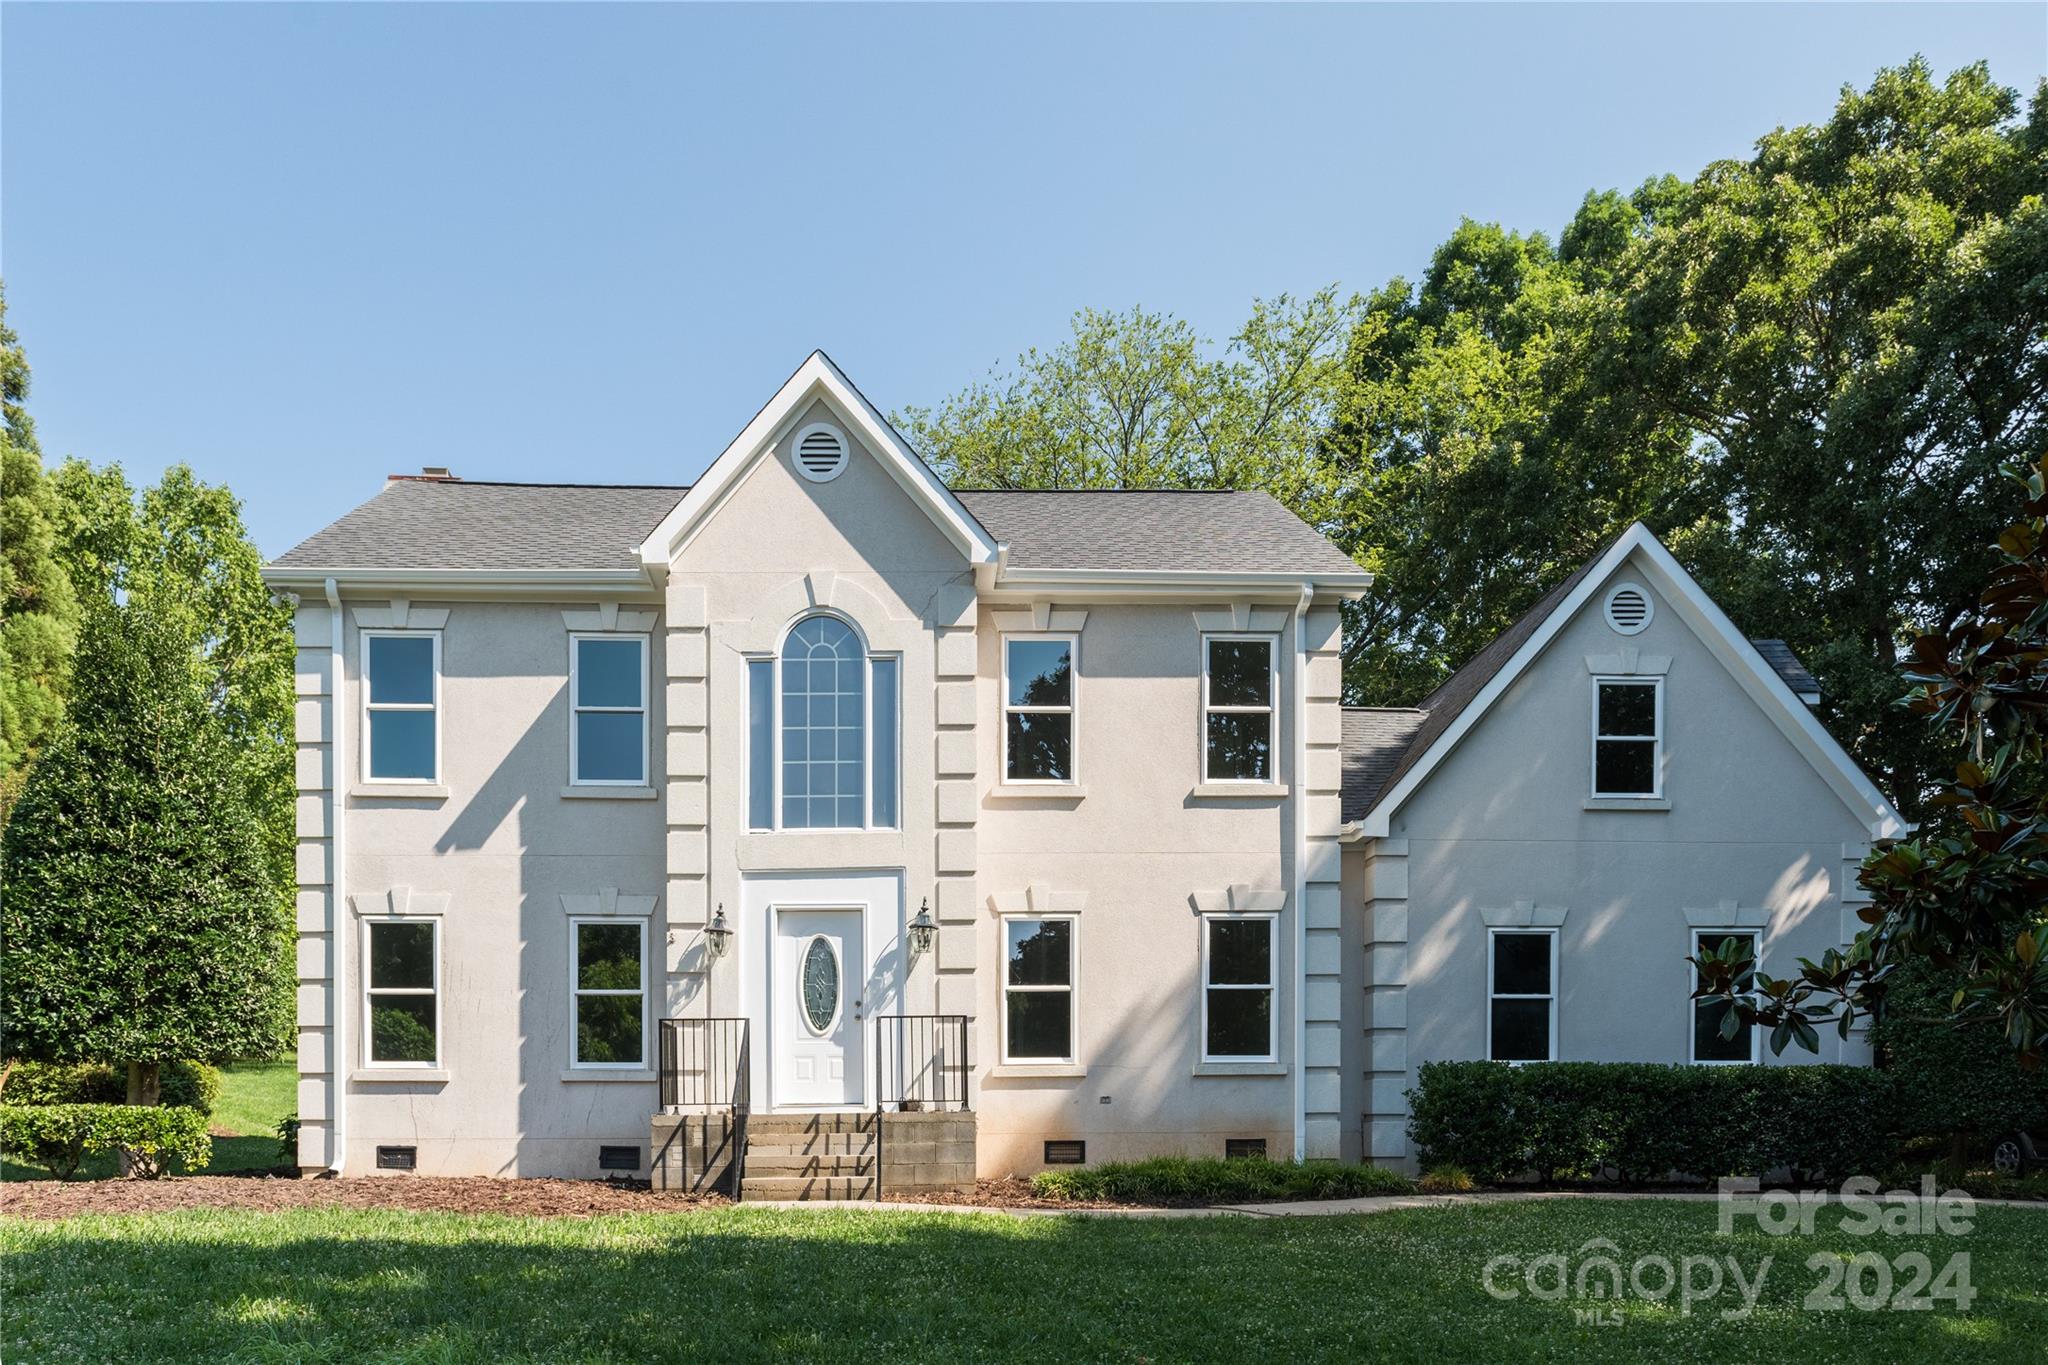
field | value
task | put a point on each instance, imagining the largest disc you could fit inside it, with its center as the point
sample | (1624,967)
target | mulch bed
(48,1199)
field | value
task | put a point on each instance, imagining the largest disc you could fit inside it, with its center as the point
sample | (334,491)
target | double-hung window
(1238,1019)
(401,992)
(1628,733)
(822,732)
(608,698)
(1521,985)
(1038,989)
(1239,679)
(401,703)
(1709,1017)
(609,975)
(1038,708)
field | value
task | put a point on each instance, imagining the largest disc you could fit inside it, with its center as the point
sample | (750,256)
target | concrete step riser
(807,1187)
(809,1123)
(814,1144)
(796,1163)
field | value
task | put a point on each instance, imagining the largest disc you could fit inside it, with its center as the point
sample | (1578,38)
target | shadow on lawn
(762,1285)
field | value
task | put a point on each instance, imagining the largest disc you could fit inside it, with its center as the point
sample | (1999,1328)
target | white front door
(815,1007)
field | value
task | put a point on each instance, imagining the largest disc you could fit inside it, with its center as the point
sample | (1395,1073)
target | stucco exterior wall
(1752,834)
(494,860)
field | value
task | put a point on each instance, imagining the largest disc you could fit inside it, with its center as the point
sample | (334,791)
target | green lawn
(757,1284)
(253,1097)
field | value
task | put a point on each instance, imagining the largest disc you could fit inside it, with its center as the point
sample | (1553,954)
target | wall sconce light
(718,937)
(923,930)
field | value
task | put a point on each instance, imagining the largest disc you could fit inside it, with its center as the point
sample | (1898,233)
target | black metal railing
(920,1066)
(920,1062)
(706,1065)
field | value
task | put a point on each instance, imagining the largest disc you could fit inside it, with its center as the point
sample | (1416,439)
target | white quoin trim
(816,379)
(1793,718)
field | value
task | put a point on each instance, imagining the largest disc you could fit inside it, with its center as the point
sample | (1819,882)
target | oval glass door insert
(818,984)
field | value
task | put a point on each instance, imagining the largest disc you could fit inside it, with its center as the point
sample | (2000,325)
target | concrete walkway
(1311,1208)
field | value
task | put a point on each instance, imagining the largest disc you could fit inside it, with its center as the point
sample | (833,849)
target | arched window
(823,734)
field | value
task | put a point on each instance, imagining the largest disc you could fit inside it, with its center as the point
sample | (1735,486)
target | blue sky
(302,247)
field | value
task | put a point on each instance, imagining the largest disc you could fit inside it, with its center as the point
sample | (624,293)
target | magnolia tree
(1969,892)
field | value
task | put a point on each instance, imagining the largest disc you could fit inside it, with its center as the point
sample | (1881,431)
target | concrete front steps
(810,1157)
(815,1156)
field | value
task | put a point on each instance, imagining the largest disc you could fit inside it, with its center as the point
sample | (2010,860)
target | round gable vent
(1628,609)
(820,452)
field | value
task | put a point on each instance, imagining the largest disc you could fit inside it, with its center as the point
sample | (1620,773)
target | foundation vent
(1066,1152)
(398,1158)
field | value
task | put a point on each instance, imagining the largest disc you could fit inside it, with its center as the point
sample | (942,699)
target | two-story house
(825,821)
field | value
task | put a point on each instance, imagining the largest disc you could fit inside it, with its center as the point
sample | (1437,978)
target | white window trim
(1656,792)
(1271,710)
(1492,936)
(577,992)
(867,791)
(1272,988)
(370,1061)
(1072,990)
(1756,964)
(433,707)
(1072,710)
(577,708)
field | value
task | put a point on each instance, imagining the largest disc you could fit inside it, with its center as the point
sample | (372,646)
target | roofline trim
(1353,582)
(464,582)
(1749,668)
(817,376)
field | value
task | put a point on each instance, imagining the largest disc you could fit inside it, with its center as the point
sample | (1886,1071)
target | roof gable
(816,380)
(1455,708)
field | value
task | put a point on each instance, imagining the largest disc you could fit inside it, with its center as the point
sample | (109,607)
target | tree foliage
(1136,400)
(1968,893)
(143,920)
(1802,368)
(38,610)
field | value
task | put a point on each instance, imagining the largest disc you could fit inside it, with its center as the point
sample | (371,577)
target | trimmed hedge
(1642,1122)
(1212,1180)
(61,1136)
(1954,1081)
(192,1085)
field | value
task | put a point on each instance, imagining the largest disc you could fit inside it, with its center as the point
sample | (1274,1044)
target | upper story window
(1714,1039)
(1628,735)
(822,736)
(1521,995)
(1239,681)
(608,698)
(401,703)
(1038,708)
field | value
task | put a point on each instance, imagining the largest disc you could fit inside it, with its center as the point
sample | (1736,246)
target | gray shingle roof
(458,524)
(1786,665)
(462,524)
(1374,740)
(1221,532)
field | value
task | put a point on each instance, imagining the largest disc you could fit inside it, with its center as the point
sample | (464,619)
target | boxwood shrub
(1640,1122)
(193,1085)
(1212,1180)
(60,1136)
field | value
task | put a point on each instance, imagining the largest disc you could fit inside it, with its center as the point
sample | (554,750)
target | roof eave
(462,582)
(1163,582)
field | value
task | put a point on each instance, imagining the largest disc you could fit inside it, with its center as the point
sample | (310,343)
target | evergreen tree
(143,920)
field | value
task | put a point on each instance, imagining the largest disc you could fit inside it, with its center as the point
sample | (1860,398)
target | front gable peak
(817,381)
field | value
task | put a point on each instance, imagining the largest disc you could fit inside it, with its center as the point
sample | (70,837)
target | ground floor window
(609,970)
(1710,1017)
(1038,989)
(1238,1023)
(1521,975)
(401,989)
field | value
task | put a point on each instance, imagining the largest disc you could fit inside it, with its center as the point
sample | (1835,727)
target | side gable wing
(1457,708)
